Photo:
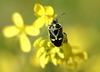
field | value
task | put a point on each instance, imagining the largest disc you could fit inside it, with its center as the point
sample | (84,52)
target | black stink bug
(56,33)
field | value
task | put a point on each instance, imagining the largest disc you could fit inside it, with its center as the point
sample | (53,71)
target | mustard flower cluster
(46,51)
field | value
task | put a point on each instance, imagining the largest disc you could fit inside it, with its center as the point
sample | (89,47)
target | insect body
(56,33)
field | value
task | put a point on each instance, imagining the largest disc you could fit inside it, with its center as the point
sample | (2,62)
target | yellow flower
(79,55)
(56,55)
(41,52)
(73,55)
(20,30)
(76,58)
(43,57)
(47,52)
(45,13)
(38,43)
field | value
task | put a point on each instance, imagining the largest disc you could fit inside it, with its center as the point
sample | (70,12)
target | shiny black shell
(56,33)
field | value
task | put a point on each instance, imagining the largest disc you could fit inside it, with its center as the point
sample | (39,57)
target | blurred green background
(81,22)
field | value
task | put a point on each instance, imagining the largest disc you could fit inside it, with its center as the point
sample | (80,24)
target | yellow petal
(40,52)
(18,20)
(10,31)
(54,60)
(37,42)
(25,43)
(81,56)
(49,10)
(85,55)
(71,64)
(48,20)
(42,42)
(54,50)
(32,31)
(49,44)
(42,60)
(39,9)
(46,59)
(39,23)
(61,55)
